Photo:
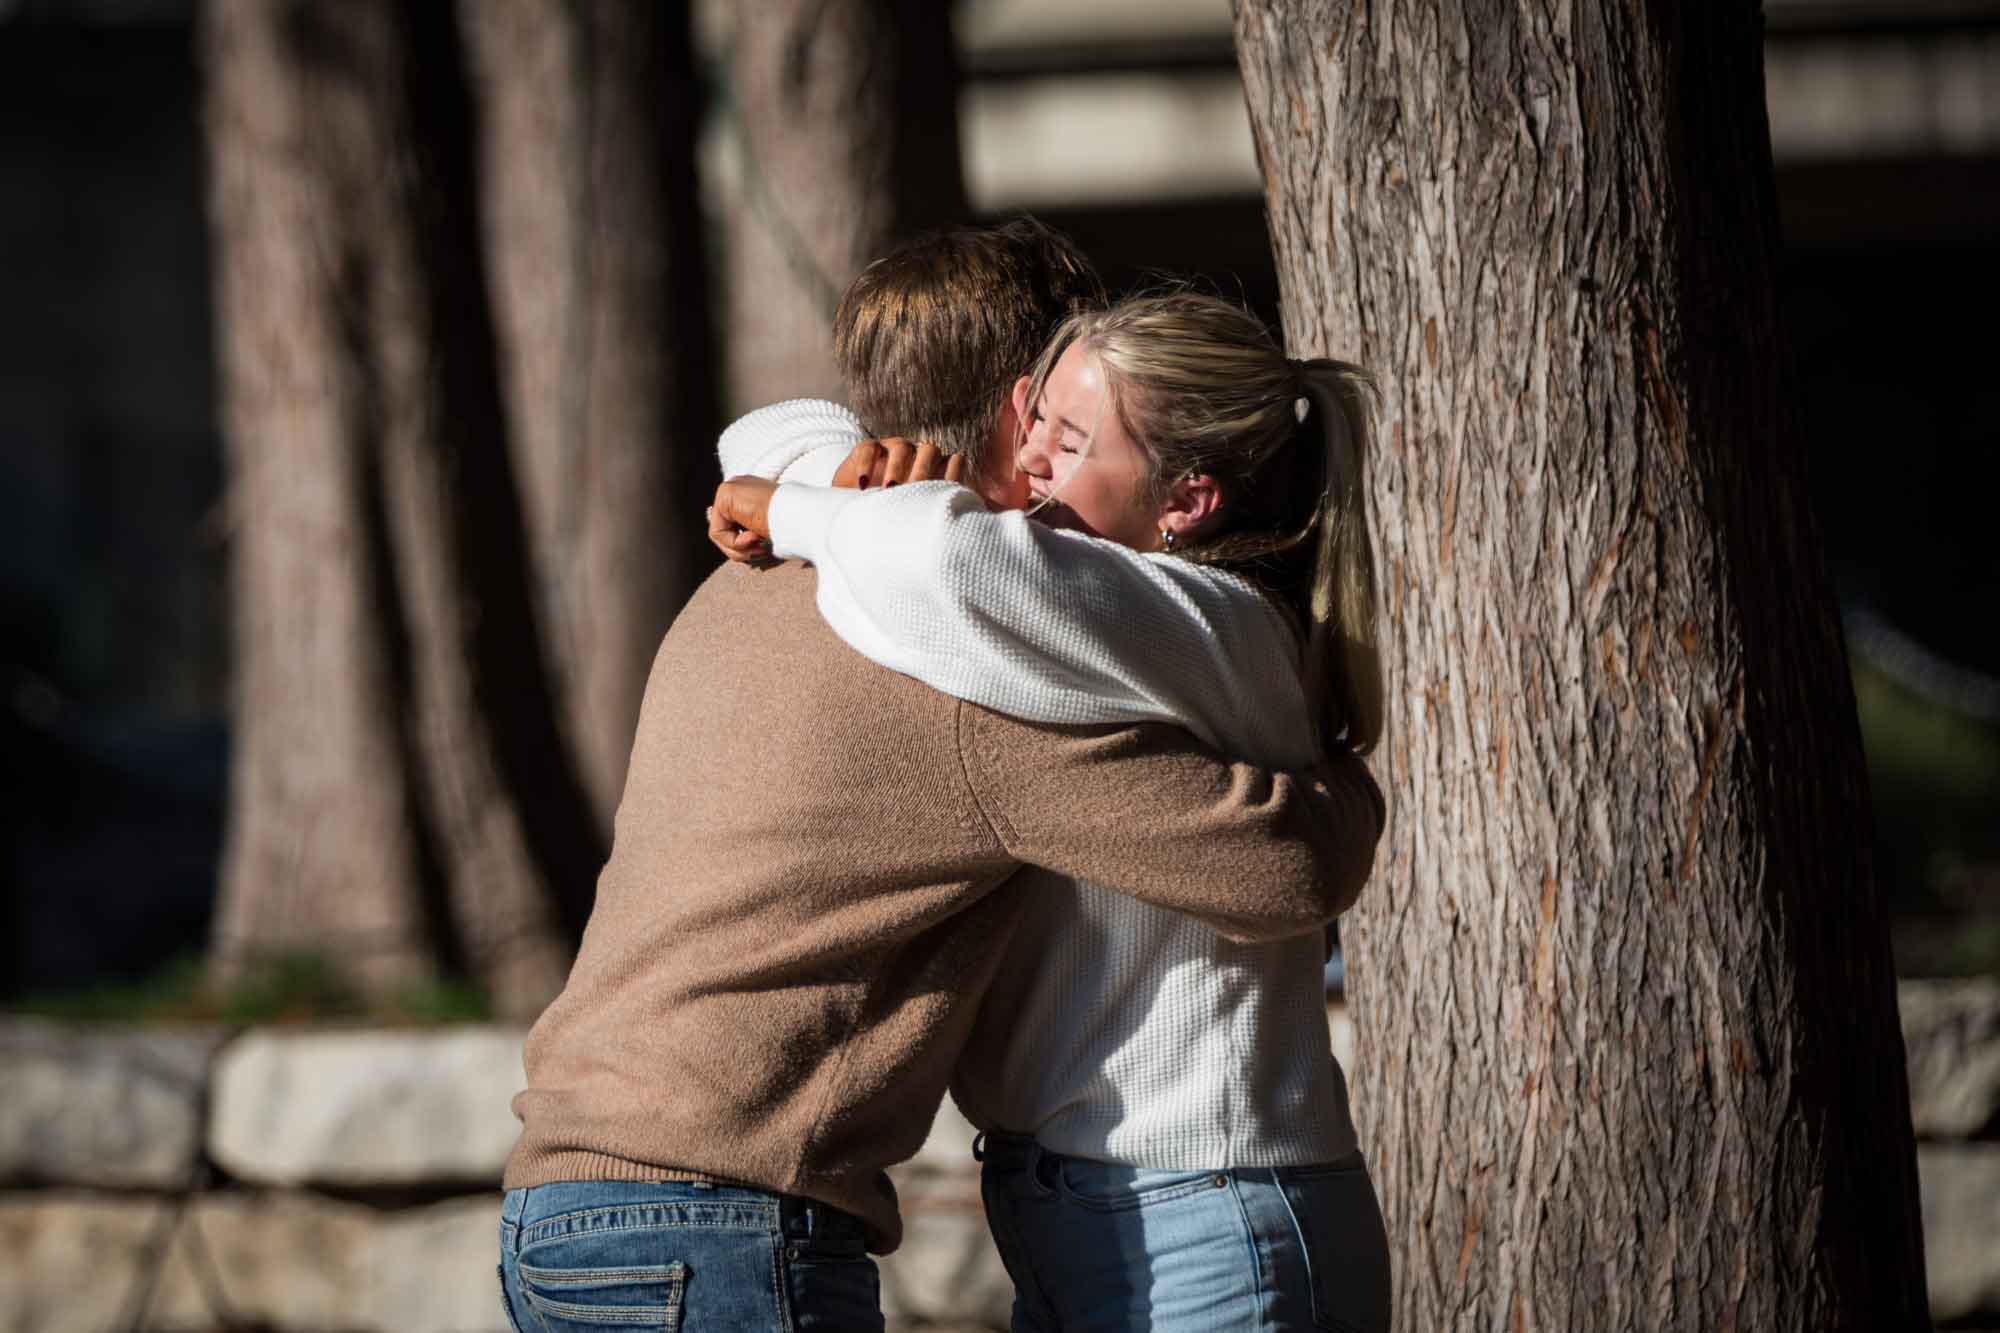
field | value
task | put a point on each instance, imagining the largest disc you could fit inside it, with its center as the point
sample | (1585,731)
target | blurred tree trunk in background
(848,135)
(594,246)
(401,800)
(1628,1055)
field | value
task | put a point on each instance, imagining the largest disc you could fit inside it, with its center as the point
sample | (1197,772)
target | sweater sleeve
(1255,853)
(801,439)
(1045,625)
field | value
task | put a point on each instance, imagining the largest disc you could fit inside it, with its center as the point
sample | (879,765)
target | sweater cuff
(802,516)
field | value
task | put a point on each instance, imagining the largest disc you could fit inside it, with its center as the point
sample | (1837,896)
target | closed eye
(1067,432)
(1069,436)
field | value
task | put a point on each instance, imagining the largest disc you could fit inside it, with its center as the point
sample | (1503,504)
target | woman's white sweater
(1118,1031)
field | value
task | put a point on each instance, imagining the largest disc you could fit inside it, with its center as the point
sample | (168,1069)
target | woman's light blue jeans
(597,1255)
(1092,1246)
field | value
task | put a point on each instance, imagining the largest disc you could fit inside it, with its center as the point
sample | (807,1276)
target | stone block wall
(1951,1035)
(168,1179)
(319,1180)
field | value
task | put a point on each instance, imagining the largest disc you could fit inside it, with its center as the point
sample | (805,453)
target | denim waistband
(1019,1152)
(1005,1152)
(580,1205)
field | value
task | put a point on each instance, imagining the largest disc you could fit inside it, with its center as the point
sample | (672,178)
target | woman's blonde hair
(1201,387)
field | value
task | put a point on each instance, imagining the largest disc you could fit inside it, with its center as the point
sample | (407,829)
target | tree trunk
(1627,1053)
(594,245)
(847,121)
(400,800)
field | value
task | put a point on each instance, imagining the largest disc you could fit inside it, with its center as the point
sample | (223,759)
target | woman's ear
(1018,399)
(1192,503)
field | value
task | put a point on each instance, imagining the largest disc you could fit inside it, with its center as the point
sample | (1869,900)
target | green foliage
(167,994)
(1935,780)
(289,988)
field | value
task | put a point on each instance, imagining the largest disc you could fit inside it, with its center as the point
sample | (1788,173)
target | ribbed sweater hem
(526,1170)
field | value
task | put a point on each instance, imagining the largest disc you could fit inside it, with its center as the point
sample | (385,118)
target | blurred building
(1119,120)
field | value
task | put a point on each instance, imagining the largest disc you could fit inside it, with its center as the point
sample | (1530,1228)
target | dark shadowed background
(115,520)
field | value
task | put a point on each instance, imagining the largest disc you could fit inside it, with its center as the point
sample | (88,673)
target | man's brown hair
(931,337)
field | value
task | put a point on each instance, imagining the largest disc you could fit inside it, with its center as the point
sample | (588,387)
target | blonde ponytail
(1343,663)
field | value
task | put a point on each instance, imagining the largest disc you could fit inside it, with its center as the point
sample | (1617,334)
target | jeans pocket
(506,1302)
(1342,1246)
(834,1294)
(1114,1188)
(640,1296)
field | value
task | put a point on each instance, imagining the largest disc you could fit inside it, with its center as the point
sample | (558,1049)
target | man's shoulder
(775,588)
(760,629)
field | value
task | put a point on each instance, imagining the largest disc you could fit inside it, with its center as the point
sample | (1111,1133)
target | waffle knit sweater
(1115,1030)
(802,439)
(804,899)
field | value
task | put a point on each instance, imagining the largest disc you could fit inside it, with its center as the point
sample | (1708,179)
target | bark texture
(400,799)
(847,115)
(593,242)
(1628,1054)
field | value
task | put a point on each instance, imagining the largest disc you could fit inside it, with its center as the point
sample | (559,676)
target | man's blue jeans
(1111,1249)
(592,1255)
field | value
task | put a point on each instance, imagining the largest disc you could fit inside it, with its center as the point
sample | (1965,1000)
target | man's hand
(739,522)
(887,462)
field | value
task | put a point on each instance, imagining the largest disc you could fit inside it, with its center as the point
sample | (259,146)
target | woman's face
(1077,452)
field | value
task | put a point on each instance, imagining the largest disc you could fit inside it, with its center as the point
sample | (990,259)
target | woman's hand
(887,462)
(739,522)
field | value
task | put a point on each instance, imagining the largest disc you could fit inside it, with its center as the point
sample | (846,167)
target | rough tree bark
(847,123)
(593,241)
(1628,1055)
(400,800)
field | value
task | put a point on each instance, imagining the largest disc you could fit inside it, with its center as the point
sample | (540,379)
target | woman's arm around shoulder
(800,439)
(1047,625)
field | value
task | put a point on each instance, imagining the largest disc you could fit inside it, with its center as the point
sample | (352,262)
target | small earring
(1166,540)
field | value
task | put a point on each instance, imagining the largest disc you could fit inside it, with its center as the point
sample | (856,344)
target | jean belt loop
(1037,1156)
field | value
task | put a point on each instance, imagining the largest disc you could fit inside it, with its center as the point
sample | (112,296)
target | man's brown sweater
(804,900)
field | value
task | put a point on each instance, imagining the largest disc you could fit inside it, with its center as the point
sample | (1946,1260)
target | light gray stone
(301,1261)
(948,1147)
(88,1105)
(432,1270)
(946,1270)
(287,1261)
(1961,1197)
(367,1108)
(71,1262)
(1951,1033)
